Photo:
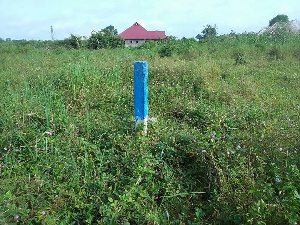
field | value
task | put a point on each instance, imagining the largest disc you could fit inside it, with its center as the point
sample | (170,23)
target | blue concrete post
(140,92)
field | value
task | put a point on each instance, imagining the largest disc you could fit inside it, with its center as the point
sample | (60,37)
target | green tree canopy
(278,18)
(110,30)
(73,42)
(106,38)
(208,32)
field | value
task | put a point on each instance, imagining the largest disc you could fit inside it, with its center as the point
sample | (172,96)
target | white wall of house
(133,43)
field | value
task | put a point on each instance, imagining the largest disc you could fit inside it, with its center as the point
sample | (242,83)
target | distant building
(137,35)
(291,26)
(85,38)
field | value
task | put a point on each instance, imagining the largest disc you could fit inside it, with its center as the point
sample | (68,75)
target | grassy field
(224,149)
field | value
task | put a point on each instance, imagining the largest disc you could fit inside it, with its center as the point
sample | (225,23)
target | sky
(32,19)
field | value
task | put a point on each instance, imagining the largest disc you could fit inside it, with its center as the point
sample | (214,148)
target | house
(137,35)
(291,26)
(85,38)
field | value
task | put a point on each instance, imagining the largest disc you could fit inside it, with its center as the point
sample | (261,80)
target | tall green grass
(224,149)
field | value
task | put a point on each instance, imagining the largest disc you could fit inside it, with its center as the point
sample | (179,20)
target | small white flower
(49,133)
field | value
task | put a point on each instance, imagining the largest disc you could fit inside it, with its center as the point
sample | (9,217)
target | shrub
(297,54)
(165,51)
(239,58)
(73,42)
(276,53)
(148,45)
(261,47)
(104,40)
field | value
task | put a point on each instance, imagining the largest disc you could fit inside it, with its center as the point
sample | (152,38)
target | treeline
(105,38)
(96,41)
(108,39)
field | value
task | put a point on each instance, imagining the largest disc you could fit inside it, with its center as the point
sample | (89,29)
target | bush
(73,42)
(165,51)
(275,53)
(101,40)
(239,58)
(148,45)
(261,47)
(297,54)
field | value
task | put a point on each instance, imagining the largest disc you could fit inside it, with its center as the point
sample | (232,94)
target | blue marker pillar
(141,93)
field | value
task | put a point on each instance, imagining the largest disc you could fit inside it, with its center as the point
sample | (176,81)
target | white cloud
(178,18)
(158,23)
(142,22)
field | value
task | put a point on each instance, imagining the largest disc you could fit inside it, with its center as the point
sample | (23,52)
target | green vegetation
(207,32)
(106,38)
(224,149)
(279,18)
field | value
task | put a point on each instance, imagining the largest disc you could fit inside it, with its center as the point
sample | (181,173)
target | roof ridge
(138,32)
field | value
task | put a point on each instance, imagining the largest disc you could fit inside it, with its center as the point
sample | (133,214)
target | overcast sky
(32,19)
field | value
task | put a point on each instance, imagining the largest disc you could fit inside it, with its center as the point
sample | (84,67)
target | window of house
(131,42)
(137,41)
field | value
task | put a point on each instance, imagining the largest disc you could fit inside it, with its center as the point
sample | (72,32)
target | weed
(239,58)
(276,54)
(165,51)
(224,149)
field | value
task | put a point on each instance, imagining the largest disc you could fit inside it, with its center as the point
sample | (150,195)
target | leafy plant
(239,58)
(224,149)
(279,18)
(165,51)
(106,38)
(207,33)
(275,53)
(74,42)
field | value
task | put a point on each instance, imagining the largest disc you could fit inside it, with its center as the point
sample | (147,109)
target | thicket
(106,40)
(96,41)
(224,149)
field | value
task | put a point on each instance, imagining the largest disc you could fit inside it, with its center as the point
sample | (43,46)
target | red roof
(137,32)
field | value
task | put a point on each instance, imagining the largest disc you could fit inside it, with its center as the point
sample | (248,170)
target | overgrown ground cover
(224,149)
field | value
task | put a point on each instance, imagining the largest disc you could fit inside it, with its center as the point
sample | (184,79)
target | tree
(106,38)
(207,33)
(110,30)
(73,42)
(279,18)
